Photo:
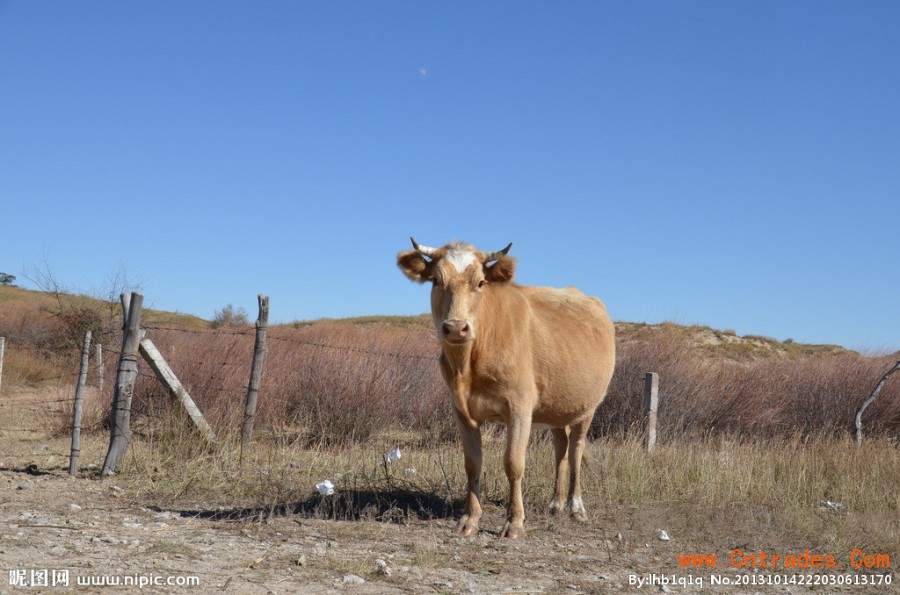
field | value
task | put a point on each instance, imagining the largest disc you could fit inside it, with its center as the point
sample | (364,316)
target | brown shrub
(338,382)
(769,396)
(327,382)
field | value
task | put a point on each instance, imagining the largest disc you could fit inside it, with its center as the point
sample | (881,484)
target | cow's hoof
(466,528)
(513,532)
(556,508)
(579,516)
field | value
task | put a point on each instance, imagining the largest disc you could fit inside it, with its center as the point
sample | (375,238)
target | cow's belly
(484,408)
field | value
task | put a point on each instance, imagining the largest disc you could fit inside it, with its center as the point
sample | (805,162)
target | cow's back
(574,347)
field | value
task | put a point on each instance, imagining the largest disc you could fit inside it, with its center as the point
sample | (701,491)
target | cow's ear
(415,266)
(501,271)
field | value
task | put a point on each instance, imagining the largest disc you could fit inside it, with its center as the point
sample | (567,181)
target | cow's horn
(424,250)
(491,256)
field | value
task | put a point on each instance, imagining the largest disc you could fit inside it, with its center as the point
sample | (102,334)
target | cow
(515,355)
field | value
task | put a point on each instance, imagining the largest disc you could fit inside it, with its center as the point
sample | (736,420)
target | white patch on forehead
(460,258)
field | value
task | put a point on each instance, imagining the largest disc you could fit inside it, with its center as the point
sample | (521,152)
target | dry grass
(769,492)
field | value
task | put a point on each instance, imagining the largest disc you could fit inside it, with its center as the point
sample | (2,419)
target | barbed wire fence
(219,373)
(211,373)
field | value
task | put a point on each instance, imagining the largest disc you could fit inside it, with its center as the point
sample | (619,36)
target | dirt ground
(88,535)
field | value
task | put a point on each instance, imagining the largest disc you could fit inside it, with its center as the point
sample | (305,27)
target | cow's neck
(459,357)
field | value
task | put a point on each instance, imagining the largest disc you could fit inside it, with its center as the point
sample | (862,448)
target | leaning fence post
(101,369)
(120,426)
(2,347)
(259,355)
(870,400)
(651,403)
(76,410)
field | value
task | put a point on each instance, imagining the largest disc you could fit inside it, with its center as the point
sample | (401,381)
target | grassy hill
(40,308)
(27,300)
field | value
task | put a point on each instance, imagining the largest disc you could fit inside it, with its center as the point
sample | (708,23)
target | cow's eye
(481,283)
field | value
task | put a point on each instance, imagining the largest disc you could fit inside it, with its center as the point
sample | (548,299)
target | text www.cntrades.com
(737,558)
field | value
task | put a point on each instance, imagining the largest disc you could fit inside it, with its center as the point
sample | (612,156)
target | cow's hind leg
(561,458)
(471,442)
(577,442)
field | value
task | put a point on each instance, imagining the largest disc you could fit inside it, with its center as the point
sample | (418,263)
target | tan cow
(515,355)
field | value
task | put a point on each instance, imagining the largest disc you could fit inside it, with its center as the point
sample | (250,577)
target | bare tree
(78,311)
(229,316)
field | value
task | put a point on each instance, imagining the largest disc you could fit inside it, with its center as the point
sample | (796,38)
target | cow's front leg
(518,431)
(471,442)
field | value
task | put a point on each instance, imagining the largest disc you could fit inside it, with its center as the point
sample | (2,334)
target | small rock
(832,506)
(74,507)
(662,535)
(352,579)
(25,485)
(43,447)
(664,589)
(294,465)
(116,489)
(444,584)
(382,567)
(301,561)
(572,587)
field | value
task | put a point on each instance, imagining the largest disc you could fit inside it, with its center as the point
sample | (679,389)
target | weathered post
(76,410)
(120,426)
(101,368)
(2,347)
(651,403)
(259,356)
(870,400)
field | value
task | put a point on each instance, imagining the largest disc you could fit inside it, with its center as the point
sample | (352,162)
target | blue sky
(735,164)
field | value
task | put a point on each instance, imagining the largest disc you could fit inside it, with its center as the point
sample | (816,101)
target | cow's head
(461,276)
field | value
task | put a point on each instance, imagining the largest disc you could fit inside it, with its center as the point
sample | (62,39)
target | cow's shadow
(391,505)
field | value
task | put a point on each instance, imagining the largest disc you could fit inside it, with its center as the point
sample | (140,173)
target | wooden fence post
(120,426)
(259,356)
(870,400)
(101,368)
(76,410)
(2,348)
(651,403)
(165,375)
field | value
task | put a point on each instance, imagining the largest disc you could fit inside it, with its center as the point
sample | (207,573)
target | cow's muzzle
(456,331)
